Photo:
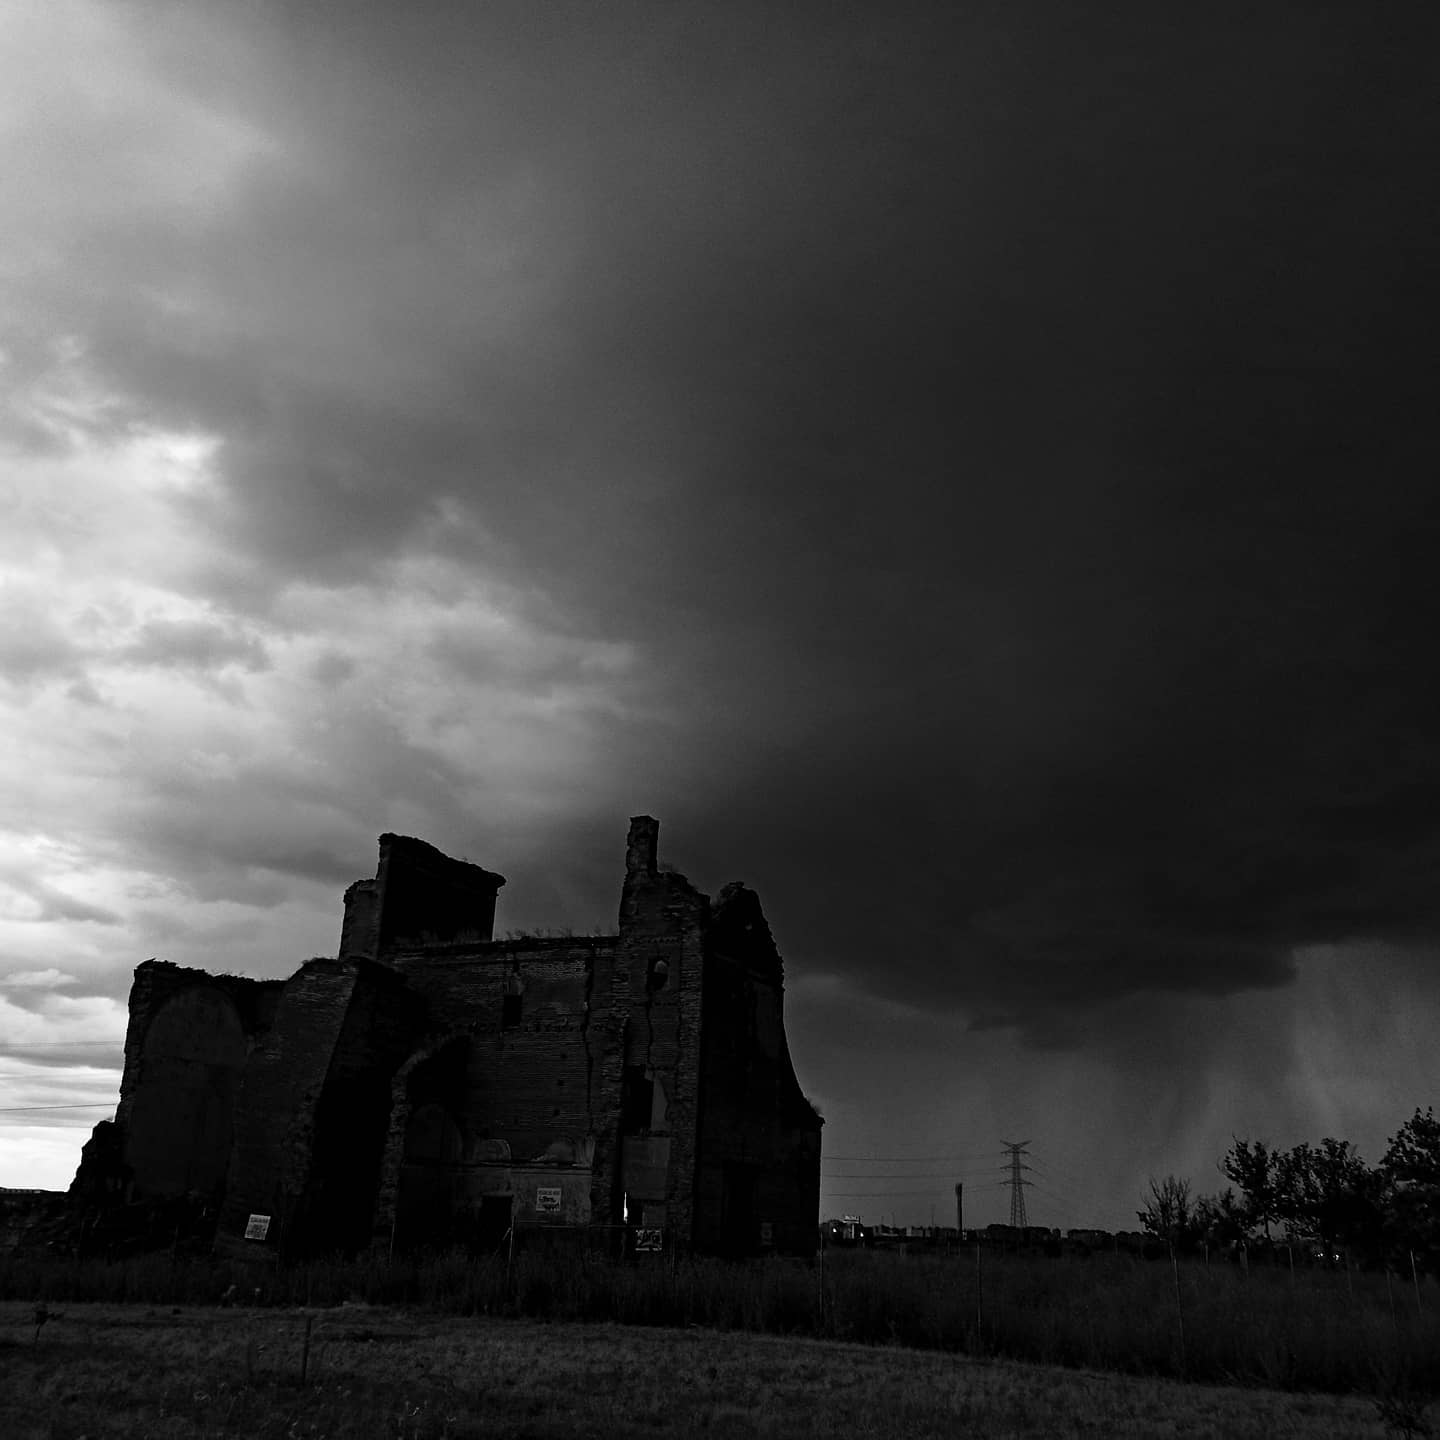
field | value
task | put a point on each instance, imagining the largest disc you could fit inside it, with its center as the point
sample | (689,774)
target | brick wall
(515,1053)
(480,1078)
(185,1044)
(758,1158)
(656,997)
(426,895)
(275,1111)
(383,1021)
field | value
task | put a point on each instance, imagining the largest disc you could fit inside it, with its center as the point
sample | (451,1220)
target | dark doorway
(495,1212)
(427,1179)
(637,1100)
(739,1231)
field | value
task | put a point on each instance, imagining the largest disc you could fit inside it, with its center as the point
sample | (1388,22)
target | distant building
(433,1085)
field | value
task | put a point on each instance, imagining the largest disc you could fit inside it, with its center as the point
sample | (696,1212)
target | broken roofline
(421,897)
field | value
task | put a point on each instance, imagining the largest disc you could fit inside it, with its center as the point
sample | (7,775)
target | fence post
(979,1300)
(1179,1309)
(820,1288)
(1415,1280)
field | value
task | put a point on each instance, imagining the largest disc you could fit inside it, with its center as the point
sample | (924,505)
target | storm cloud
(963,469)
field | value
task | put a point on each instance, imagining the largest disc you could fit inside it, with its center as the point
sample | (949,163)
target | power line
(1061,1173)
(923,1190)
(900,1159)
(861,1175)
(901,1194)
(883,1194)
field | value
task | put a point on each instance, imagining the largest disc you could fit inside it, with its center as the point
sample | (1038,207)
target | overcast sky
(967,469)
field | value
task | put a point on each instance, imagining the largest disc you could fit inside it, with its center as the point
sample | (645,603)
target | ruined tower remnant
(433,1085)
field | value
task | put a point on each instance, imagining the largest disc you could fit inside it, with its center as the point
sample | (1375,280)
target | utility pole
(959,1214)
(1016,1183)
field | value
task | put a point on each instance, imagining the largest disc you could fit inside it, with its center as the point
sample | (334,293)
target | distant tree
(1220,1219)
(1411,1171)
(1413,1156)
(1346,1197)
(1327,1195)
(1295,1197)
(1169,1213)
(1251,1167)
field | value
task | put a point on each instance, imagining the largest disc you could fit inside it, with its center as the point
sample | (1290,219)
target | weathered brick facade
(434,1085)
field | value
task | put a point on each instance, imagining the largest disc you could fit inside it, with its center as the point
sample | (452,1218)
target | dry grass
(1314,1330)
(109,1370)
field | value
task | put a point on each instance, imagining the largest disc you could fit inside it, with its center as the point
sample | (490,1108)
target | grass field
(1308,1330)
(130,1370)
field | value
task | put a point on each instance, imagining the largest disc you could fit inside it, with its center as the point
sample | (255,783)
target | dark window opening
(511,1004)
(637,1099)
(659,973)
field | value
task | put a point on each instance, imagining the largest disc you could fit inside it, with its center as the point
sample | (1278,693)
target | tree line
(1323,1198)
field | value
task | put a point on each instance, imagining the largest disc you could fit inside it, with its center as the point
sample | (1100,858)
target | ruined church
(432,1085)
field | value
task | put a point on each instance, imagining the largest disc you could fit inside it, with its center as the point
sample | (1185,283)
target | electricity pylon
(1016,1183)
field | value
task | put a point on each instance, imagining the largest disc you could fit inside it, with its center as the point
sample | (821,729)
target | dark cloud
(45,902)
(196,645)
(1001,434)
(33,647)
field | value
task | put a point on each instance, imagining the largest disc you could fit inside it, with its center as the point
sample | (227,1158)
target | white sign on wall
(547,1200)
(257,1227)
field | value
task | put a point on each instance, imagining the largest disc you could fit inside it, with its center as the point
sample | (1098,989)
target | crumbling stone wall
(275,1112)
(432,1082)
(513,1059)
(381,1025)
(187,1042)
(656,996)
(757,1173)
(418,895)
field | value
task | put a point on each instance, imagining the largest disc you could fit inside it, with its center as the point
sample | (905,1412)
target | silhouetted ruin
(432,1085)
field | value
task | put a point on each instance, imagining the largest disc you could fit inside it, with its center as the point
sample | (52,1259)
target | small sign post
(257,1227)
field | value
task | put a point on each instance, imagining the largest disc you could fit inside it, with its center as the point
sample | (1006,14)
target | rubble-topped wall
(432,1084)
(516,1046)
(418,895)
(758,1164)
(382,1024)
(656,999)
(275,1110)
(185,1047)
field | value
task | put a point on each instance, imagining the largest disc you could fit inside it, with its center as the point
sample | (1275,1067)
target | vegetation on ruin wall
(1310,1329)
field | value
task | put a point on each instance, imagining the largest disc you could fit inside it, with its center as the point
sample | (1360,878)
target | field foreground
(103,1370)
